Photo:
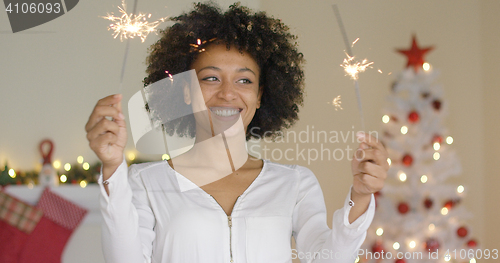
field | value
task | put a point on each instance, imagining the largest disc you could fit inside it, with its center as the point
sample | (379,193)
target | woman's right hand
(107,138)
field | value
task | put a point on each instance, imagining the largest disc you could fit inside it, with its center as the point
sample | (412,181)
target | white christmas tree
(419,217)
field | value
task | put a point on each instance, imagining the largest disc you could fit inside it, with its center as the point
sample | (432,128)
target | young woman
(250,76)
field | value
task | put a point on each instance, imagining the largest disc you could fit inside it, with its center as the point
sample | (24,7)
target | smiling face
(229,82)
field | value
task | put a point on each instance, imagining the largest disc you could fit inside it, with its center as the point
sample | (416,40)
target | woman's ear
(259,96)
(187,95)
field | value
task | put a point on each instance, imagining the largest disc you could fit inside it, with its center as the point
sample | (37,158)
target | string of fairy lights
(82,172)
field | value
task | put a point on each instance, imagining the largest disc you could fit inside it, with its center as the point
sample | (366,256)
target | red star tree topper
(415,55)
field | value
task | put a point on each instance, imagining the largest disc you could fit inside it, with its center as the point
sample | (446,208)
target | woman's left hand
(369,165)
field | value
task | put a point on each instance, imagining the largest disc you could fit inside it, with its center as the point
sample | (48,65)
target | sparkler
(132,25)
(350,65)
(129,26)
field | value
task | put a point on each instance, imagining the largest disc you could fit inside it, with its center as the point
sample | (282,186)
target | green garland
(74,176)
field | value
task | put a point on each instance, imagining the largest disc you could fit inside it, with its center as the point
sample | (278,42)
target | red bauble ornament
(437,139)
(403,208)
(400,261)
(431,244)
(462,231)
(413,117)
(407,160)
(451,203)
(428,203)
(436,104)
(377,247)
(472,243)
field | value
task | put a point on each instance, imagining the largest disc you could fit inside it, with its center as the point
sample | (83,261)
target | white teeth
(226,113)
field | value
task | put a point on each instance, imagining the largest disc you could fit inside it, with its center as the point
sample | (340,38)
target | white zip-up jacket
(154,214)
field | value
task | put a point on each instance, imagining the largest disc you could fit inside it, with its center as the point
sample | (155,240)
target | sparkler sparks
(199,43)
(353,68)
(132,25)
(336,102)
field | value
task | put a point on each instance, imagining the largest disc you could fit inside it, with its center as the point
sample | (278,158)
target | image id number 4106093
(464,254)
(33,8)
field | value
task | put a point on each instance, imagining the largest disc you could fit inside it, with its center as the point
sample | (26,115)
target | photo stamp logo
(25,14)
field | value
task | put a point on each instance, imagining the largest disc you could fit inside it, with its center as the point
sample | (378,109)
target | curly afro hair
(266,39)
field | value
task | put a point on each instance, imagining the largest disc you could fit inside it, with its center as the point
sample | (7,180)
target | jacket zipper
(230,225)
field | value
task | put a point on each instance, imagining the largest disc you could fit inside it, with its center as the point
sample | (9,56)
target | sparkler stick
(352,69)
(126,50)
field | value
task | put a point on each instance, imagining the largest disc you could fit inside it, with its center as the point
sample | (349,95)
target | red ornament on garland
(413,117)
(462,231)
(407,160)
(472,243)
(400,261)
(428,203)
(431,244)
(403,208)
(436,104)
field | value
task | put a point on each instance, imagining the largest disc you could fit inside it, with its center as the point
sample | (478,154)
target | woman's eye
(245,81)
(210,79)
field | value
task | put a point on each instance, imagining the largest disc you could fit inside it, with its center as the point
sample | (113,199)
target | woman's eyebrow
(246,69)
(218,69)
(210,67)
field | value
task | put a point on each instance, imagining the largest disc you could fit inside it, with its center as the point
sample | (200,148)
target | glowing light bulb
(447,257)
(460,189)
(436,146)
(67,167)
(402,177)
(412,244)
(432,227)
(444,211)
(85,166)
(379,231)
(83,183)
(385,119)
(56,164)
(423,179)
(404,130)
(436,156)
(131,156)
(449,140)
(63,178)
(389,161)
(357,260)
(12,173)
(396,245)
(472,260)
(79,159)
(165,157)
(426,66)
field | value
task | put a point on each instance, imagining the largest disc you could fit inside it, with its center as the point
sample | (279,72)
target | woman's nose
(227,91)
